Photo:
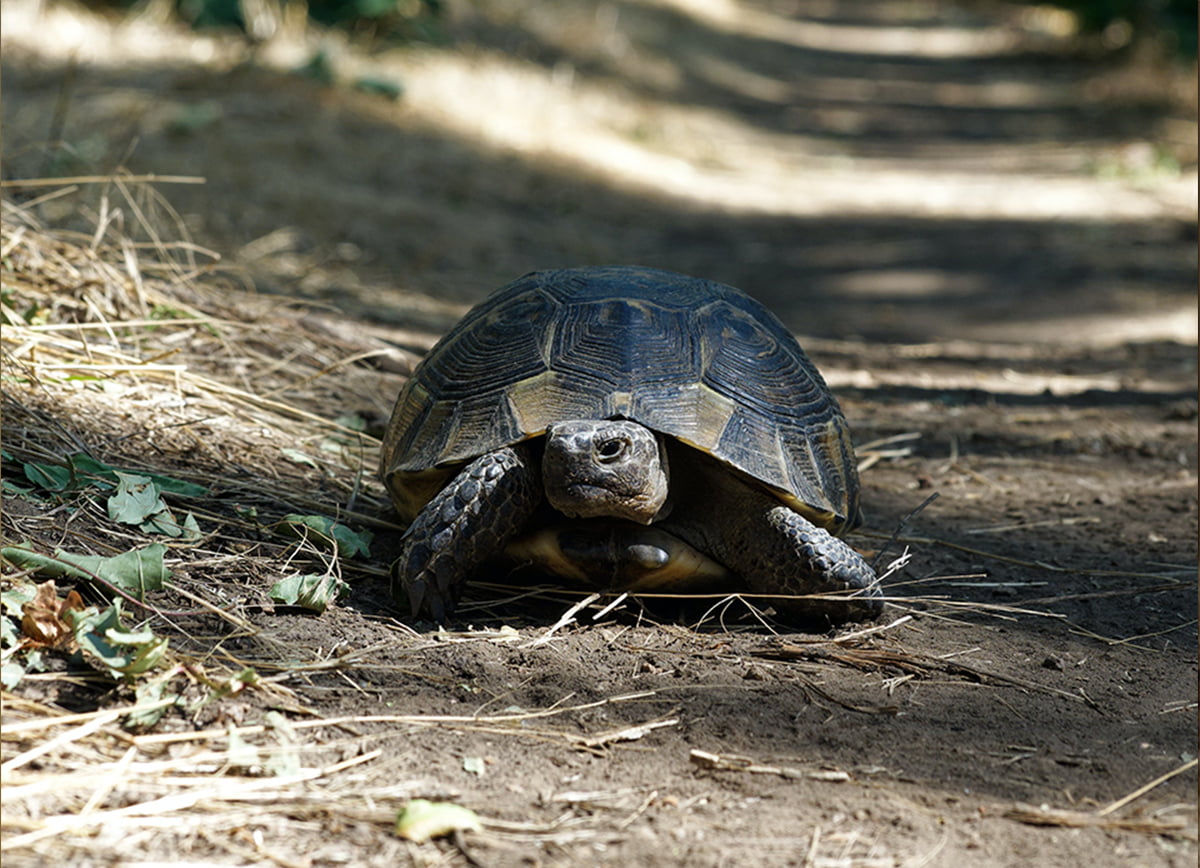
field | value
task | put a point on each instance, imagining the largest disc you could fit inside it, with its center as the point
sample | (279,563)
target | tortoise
(628,429)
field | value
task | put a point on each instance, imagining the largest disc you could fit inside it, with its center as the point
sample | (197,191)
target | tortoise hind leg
(772,548)
(820,564)
(775,550)
(467,522)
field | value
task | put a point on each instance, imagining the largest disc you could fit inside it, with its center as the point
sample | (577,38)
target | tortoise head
(605,467)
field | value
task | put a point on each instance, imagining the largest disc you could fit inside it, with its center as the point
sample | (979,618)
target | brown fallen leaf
(43,621)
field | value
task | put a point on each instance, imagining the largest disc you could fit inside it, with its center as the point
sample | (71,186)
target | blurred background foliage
(396,19)
(1172,23)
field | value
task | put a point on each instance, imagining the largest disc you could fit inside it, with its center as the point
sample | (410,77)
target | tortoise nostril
(611,449)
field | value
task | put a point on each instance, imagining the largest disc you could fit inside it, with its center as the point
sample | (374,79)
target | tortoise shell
(696,360)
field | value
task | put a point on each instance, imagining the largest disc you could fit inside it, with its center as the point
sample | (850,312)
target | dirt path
(985,237)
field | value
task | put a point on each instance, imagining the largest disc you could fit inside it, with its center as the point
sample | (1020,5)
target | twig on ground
(1141,791)
(900,527)
(567,617)
(727,763)
(882,658)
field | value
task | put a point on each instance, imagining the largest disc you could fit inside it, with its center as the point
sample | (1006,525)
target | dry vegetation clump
(124,352)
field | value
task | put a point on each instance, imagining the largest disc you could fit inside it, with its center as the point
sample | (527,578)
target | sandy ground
(985,234)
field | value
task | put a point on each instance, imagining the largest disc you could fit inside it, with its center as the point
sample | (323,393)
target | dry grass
(139,353)
(119,337)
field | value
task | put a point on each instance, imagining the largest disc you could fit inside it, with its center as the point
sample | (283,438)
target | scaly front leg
(467,522)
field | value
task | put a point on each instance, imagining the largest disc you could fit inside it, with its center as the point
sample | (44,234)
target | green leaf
(125,655)
(241,753)
(161,522)
(421,820)
(285,759)
(147,694)
(84,465)
(94,619)
(235,685)
(165,523)
(14,599)
(319,68)
(82,470)
(11,489)
(136,500)
(138,571)
(10,636)
(191,119)
(139,501)
(27,559)
(126,637)
(146,657)
(313,592)
(51,477)
(281,725)
(379,86)
(248,677)
(351,543)
(283,762)
(178,486)
(35,661)
(11,674)
(191,529)
(353,421)
(347,542)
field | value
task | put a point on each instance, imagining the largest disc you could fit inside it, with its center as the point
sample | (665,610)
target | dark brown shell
(696,360)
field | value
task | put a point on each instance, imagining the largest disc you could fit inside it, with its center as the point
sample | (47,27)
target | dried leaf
(43,618)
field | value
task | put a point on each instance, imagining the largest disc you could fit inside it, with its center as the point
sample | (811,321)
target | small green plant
(35,619)
(345,541)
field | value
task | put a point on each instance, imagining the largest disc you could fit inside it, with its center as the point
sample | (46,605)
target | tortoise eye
(611,449)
